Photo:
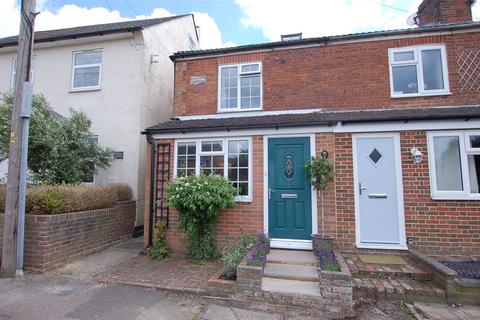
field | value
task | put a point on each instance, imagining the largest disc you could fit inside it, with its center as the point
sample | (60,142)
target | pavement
(72,292)
(52,297)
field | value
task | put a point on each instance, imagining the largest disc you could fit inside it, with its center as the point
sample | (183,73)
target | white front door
(378,191)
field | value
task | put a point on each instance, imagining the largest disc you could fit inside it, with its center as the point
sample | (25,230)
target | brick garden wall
(331,77)
(54,239)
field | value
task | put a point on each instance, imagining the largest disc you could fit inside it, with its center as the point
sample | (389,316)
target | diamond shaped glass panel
(375,156)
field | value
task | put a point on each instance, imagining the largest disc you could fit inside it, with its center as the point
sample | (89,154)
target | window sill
(238,110)
(420,95)
(243,200)
(456,197)
(85,89)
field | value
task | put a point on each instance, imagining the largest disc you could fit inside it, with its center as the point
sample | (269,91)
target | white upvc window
(454,161)
(240,87)
(230,158)
(14,71)
(418,71)
(86,70)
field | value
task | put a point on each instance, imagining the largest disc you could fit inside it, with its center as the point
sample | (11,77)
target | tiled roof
(326,118)
(89,31)
(326,39)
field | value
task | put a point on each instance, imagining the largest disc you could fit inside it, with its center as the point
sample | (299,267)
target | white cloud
(316,18)
(71,15)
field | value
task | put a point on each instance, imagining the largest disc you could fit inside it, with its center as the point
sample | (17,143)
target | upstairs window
(14,71)
(86,71)
(454,159)
(418,71)
(240,87)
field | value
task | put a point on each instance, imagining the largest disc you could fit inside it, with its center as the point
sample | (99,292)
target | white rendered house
(119,74)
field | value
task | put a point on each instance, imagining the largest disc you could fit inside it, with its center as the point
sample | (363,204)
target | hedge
(68,198)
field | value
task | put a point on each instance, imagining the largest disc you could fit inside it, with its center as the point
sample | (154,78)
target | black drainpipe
(152,184)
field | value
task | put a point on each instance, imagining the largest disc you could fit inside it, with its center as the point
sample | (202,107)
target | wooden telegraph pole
(21,105)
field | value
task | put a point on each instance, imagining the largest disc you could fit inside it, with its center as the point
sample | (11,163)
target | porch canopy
(246,120)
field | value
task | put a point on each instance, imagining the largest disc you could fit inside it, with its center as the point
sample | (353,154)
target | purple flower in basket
(253,258)
(327,260)
(262,249)
(263,238)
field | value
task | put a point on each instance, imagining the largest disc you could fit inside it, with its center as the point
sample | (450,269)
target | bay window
(454,159)
(418,71)
(230,158)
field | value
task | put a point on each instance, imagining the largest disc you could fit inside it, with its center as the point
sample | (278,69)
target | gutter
(305,124)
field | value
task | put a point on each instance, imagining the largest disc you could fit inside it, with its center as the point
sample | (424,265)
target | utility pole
(20,114)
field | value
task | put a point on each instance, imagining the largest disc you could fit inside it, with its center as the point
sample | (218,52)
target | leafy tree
(60,148)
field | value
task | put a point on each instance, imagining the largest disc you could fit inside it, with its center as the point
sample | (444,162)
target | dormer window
(418,71)
(240,87)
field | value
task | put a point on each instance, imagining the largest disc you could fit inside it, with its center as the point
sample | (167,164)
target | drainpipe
(152,184)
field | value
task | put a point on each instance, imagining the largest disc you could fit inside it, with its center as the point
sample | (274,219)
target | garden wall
(54,239)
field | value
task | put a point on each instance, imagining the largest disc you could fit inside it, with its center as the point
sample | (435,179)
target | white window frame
(88,88)
(219,90)
(417,51)
(465,151)
(14,71)
(224,152)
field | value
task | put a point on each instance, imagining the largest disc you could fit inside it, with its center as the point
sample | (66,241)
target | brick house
(397,113)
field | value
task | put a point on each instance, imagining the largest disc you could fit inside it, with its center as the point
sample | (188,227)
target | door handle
(360,188)
(269,193)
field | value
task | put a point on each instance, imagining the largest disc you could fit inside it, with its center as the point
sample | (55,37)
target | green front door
(289,194)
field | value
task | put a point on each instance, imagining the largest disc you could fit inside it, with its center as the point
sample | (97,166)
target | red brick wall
(432,12)
(54,239)
(245,216)
(436,226)
(338,77)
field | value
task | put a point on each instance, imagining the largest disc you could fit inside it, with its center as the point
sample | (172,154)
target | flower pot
(321,241)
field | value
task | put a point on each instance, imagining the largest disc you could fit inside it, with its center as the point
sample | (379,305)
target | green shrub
(198,200)
(56,199)
(160,250)
(233,254)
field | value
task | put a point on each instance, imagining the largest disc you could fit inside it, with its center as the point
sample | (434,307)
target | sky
(227,22)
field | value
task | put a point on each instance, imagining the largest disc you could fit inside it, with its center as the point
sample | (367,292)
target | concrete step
(295,257)
(291,272)
(291,287)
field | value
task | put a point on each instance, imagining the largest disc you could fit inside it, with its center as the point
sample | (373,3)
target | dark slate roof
(326,39)
(89,31)
(320,118)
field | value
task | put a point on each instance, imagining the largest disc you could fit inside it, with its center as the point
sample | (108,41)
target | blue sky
(227,22)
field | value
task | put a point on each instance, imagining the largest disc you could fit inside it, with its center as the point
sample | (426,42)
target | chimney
(435,12)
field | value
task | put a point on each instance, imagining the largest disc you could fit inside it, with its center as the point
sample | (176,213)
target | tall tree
(60,148)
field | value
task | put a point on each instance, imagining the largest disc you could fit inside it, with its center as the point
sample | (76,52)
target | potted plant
(320,172)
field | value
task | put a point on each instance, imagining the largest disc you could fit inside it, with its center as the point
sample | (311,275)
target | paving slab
(291,272)
(116,302)
(308,288)
(173,308)
(215,312)
(436,311)
(104,260)
(292,257)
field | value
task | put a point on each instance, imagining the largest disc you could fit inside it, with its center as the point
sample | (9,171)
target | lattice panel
(468,63)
